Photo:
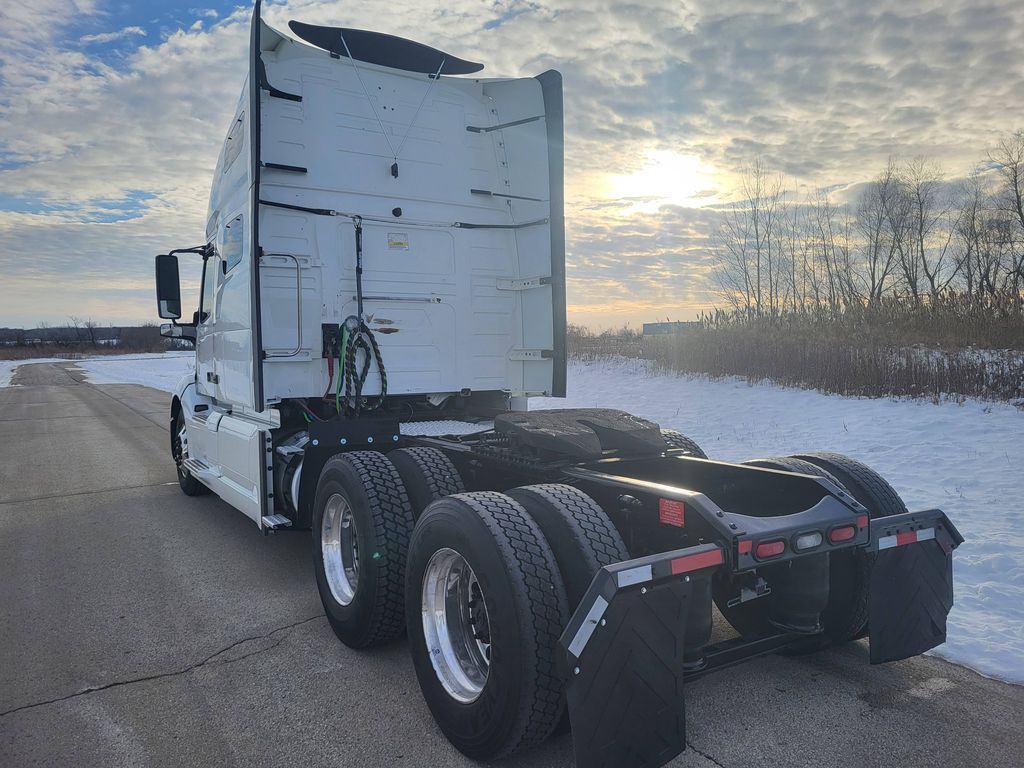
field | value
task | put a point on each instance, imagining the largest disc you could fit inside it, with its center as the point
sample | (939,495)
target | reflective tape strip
(902,539)
(634,576)
(696,562)
(589,625)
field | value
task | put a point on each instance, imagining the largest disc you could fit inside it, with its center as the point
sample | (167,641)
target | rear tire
(190,486)
(362,522)
(427,474)
(750,619)
(845,616)
(520,698)
(578,530)
(679,440)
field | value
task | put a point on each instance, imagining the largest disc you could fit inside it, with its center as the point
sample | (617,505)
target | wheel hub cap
(456,626)
(338,540)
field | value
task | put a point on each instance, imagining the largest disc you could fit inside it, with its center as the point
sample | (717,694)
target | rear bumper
(643,628)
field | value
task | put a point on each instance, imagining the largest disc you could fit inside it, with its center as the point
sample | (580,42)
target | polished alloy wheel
(340,549)
(455,625)
(181,449)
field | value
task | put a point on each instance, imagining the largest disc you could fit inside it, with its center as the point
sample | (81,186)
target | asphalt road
(142,627)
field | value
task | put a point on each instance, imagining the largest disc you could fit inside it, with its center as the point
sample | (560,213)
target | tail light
(842,533)
(806,541)
(765,550)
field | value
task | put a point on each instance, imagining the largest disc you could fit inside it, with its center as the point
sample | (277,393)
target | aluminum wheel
(181,448)
(455,625)
(338,541)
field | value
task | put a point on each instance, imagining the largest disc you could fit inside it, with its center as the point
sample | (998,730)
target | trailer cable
(356,337)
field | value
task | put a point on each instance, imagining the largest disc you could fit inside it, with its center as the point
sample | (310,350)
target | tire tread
(393,515)
(523,544)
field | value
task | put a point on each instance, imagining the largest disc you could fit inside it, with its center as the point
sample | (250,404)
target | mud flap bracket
(625,653)
(911,583)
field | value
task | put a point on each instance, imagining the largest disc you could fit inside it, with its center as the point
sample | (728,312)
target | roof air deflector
(383,50)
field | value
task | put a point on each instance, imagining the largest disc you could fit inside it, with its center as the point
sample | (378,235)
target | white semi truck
(383,289)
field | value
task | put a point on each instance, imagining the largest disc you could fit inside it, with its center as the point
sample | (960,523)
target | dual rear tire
(484,584)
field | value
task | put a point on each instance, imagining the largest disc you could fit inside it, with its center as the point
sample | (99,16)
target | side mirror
(168,287)
(184,332)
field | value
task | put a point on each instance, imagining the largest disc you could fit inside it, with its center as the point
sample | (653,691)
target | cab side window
(231,243)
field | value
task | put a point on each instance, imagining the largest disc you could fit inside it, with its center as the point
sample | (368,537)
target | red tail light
(766,550)
(842,533)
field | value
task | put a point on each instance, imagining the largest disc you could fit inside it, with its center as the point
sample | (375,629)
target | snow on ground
(158,370)
(964,459)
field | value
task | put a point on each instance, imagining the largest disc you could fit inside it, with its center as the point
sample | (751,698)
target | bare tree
(931,225)
(880,221)
(749,244)
(1008,157)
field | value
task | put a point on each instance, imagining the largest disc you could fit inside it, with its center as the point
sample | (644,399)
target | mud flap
(911,583)
(625,650)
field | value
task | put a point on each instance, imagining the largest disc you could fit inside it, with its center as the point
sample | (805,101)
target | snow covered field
(966,459)
(160,371)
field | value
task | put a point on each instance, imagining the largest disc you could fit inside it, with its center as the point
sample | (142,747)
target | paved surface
(142,627)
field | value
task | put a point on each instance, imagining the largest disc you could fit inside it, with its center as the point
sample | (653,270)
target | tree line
(910,236)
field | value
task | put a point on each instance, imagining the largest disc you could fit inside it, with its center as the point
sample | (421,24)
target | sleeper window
(231,246)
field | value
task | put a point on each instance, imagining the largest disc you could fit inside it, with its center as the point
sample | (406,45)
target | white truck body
(456,185)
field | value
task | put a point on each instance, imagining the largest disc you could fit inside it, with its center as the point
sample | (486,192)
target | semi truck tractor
(382,291)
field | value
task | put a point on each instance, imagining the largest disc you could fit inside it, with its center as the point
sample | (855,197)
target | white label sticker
(398,241)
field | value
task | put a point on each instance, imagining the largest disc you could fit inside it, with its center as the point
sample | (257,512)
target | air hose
(354,369)
(357,337)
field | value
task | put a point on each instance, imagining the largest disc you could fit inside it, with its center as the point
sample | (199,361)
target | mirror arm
(201,250)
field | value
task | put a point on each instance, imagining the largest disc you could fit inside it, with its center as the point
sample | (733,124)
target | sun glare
(666,178)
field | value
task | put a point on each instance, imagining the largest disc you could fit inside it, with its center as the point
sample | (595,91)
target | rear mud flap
(625,652)
(911,583)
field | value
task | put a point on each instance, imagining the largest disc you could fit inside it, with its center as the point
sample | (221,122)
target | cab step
(200,470)
(275,522)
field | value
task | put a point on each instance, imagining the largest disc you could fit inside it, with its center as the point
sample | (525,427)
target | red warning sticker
(672,512)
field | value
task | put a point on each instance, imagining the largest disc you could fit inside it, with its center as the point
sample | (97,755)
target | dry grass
(951,348)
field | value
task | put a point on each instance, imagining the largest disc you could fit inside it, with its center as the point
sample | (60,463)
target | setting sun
(666,178)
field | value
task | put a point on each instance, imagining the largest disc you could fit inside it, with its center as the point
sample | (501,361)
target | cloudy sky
(112,114)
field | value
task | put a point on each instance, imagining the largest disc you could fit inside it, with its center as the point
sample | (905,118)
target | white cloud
(824,92)
(109,37)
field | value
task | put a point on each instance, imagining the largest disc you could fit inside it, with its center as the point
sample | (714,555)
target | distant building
(671,328)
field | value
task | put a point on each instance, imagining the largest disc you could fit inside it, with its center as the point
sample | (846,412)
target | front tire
(481,576)
(361,527)
(190,486)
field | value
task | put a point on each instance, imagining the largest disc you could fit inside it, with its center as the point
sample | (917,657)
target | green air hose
(357,337)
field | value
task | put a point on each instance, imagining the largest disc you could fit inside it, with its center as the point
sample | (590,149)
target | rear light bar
(842,533)
(806,541)
(766,550)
